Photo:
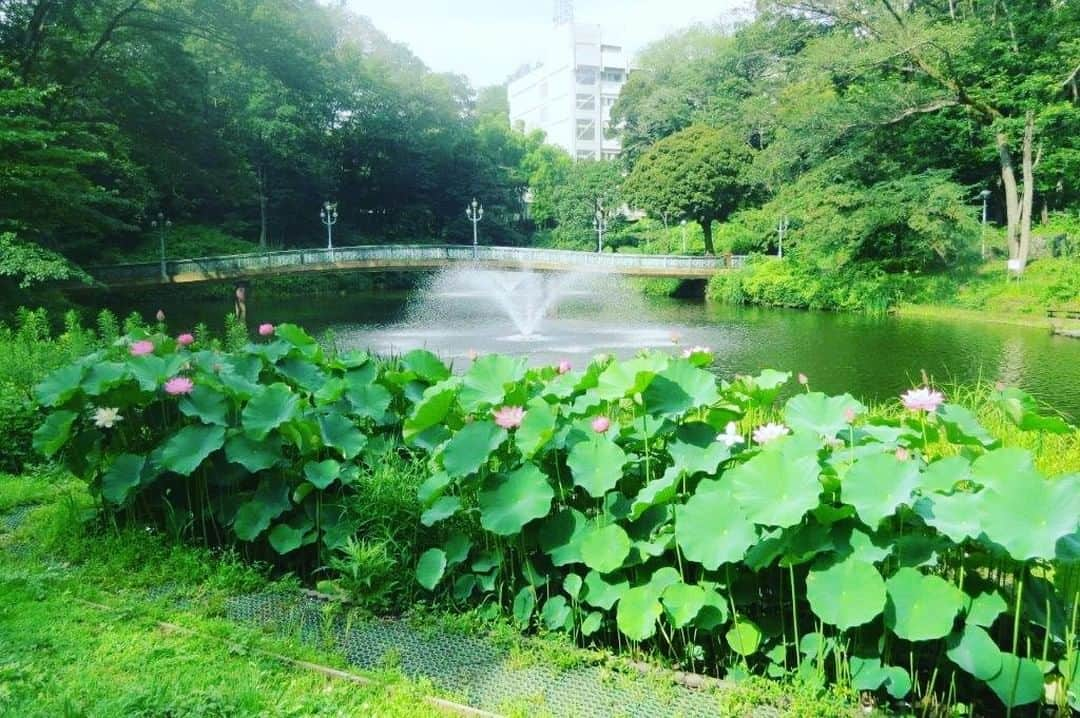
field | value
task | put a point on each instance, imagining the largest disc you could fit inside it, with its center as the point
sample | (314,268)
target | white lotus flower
(106,417)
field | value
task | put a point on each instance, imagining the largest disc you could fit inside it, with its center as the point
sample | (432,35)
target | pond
(575,318)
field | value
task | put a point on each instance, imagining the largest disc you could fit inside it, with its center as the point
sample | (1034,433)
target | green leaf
(711,529)
(956,515)
(322,473)
(369,401)
(470,448)
(973,650)
(537,428)
(679,388)
(602,594)
(125,474)
(743,637)
(696,450)
(189,447)
(271,407)
(433,488)
(592,623)
(51,436)
(103,376)
(572,585)
(556,613)
(626,378)
(877,485)
(457,549)
(286,539)
(1023,410)
(846,594)
(61,385)
(1019,682)
(921,608)
(1027,514)
(486,381)
(639,608)
(985,608)
(296,336)
(683,602)
(962,427)
(524,605)
(823,415)
(596,465)
(777,488)
(658,491)
(207,405)
(714,611)
(867,674)
(425,365)
(270,501)
(561,536)
(605,548)
(432,408)
(303,373)
(442,509)
(430,568)
(943,475)
(341,434)
(255,456)
(897,682)
(509,501)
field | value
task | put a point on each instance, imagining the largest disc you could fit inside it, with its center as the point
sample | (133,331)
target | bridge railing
(408,255)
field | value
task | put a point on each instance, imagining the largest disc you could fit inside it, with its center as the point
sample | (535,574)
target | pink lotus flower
(731,435)
(902,454)
(266,330)
(142,348)
(564,367)
(803,379)
(179,385)
(924,399)
(601,424)
(849,415)
(472,354)
(509,417)
(185,340)
(160,315)
(770,432)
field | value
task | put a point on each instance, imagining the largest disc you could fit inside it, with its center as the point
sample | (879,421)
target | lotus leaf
(984,608)
(679,388)
(626,378)
(556,613)
(433,488)
(561,536)
(524,605)
(897,682)
(369,401)
(877,485)
(744,637)
(973,650)
(54,432)
(207,405)
(341,434)
(271,407)
(711,529)
(430,568)
(658,491)
(865,548)
(943,475)
(846,594)
(639,608)
(1027,515)
(103,376)
(777,488)
(572,585)
(696,450)
(322,473)
(253,517)
(442,509)
(537,428)
(597,465)
(255,456)
(592,623)
(286,539)
(470,448)
(683,602)
(425,365)
(962,427)
(464,587)
(1019,682)
(823,415)
(486,381)
(954,516)
(1023,410)
(605,548)
(509,501)
(867,674)
(600,593)
(125,474)
(189,447)
(303,373)
(921,608)
(714,610)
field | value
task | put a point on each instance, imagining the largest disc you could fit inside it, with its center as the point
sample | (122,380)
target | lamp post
(475,213)
(781,229)
(162,224)
(682,225)
(600,224)
(329,216)
(985,195)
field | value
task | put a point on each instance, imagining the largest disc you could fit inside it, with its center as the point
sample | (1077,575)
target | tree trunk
(260,176)
(706,229)
(1012,197)
(1029,193)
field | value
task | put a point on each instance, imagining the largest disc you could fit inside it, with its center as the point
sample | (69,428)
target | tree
(590,187)
(700,173)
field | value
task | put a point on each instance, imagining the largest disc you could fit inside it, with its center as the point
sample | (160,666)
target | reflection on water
(874,358)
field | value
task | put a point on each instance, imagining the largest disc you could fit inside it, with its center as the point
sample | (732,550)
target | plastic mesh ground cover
(482,674)
(15,518)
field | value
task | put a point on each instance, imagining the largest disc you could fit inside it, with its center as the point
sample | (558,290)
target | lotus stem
(795,617)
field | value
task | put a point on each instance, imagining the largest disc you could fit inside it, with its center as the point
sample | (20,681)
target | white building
(569,96)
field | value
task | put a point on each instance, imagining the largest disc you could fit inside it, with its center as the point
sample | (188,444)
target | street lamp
(475,213)
(682,225)
(985,195)
(600,224)
(329,216)
(781,229)
(162,225)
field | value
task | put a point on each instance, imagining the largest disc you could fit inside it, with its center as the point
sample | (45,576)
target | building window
(609,155)
(586,130)
(586,75)
(608,100)
(586,102)
(586,155)
(612,76)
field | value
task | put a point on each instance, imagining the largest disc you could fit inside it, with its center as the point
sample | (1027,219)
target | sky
(486,40)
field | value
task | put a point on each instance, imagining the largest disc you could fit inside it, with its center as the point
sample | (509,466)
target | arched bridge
(396,257)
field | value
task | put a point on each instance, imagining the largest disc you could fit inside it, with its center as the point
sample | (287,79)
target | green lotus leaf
(877,485)
(255,456)
(696,450)
(596,465)
(683,602)
(322,473)
(626,378)
(433,488)
(1027,515)
(331,392)
(341,434)
(464,587)
(823,415)
(955,516)
(943,475)
(189,447)
(470,448)
(561,536)
(125,474)
(962,427)
(777,488)
(430,568)
(744,637)
(206,404)
(153,371)
(867,674)
(600,593)
(846,594)
(897,682)
(714,610)
(524,605)
(537,428)
(432,408)
(1023,410)
(865,548)
(572,584)
(270,501)
(657,491)
(639,608)
(60,386)
(679,388)
(271,407)
(296,336)
(1001,465)
(442,509)
(509,501)
(369,401)
(556,613)
(286,538)
(592,623)
(486,381)
(921,608)
(1019,682)
(605,548)
(711,529)
(303,373)
(486,560)
(984,609)
(425,365)
(973,650)
(103,376)
(457,549)
(51,436)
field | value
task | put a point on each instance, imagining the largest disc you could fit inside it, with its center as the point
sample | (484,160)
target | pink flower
(924,399)
(142,348)
(179,385)
(770,432)
(160,315)
(849,415)
(564,367)
(601,424)
(266,330)
(803,379)
(185,340)
(509,417)
(472,354)
(902,454)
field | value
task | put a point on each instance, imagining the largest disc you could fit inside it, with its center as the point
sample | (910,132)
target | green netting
(15,518)
(483,675)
